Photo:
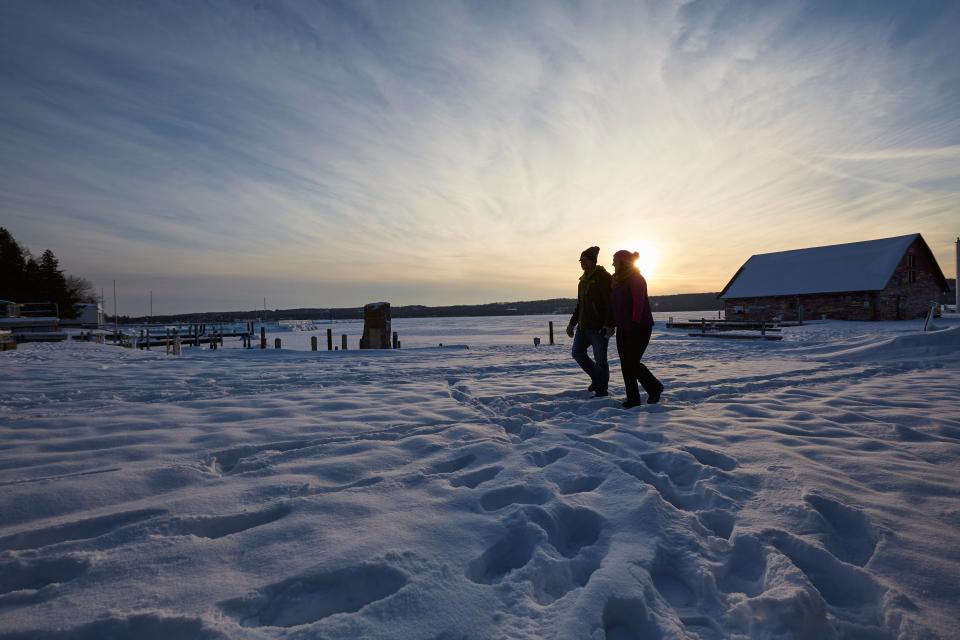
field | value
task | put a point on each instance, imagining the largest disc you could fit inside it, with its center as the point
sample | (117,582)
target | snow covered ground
(801,489)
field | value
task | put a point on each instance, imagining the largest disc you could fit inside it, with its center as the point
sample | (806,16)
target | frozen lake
(797,489)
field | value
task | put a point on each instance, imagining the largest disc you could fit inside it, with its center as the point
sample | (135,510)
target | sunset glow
(329,154)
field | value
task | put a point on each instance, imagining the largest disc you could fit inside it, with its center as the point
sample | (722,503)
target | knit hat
(591,253)
(626,255)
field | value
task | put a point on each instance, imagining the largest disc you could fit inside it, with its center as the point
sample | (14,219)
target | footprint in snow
(450,466)
(514,494)
(546,458)
(73,531)
(580,484)
(840,584)
(568,529)
(475,478)
(849,534)
(512,551)
(214,527)
(744,568)
(305,599)
(35,574)
(628,619)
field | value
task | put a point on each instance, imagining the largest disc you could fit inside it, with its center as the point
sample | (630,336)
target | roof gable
(855,266)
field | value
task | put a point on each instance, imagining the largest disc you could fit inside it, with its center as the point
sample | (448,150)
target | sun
(649,258)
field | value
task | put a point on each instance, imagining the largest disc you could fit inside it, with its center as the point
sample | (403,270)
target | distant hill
(678,302)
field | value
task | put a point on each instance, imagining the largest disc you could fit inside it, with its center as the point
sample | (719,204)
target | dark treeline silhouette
(678,302)
(24,278)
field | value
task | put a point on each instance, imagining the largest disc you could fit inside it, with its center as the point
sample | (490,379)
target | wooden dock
(735,336)
(717,328)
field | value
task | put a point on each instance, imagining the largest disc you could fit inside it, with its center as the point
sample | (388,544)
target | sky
(328,154)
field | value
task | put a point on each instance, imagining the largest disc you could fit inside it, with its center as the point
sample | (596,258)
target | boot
(654,398)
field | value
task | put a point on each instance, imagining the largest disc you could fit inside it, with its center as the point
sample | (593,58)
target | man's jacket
(593,310)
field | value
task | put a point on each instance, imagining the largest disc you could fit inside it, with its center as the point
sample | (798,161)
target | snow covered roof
(855,266)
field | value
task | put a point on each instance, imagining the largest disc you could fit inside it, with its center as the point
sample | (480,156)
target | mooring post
(536,342)
(551,332)
(329,339)
(168,341)
(176,341)
(313,343)
(396,342)
(263,337)
(276,343)
(343,342)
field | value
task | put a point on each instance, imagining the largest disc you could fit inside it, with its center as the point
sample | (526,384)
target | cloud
(463,152)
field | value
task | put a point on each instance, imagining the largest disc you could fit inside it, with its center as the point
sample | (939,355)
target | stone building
(889,279)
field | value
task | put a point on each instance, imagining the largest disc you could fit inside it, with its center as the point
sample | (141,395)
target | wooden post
(329,339)
(343,342)
(551,332)
(168,342)
(263,337)
(276,343)
(536,342)
(396,342)
(313,343)
(176,342)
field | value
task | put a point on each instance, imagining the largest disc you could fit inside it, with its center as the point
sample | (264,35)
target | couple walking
(613,304)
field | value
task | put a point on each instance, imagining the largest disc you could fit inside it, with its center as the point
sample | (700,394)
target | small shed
(887,279)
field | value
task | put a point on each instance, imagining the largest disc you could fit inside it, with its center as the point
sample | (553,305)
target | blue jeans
(598,371)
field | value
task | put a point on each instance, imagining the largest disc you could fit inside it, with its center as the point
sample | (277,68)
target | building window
(911,276)
(911,261)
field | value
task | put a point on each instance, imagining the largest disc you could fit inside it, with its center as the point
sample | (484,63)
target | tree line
(559,306)
(24,278)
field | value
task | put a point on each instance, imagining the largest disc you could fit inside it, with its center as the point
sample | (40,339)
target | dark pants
(631,343)
(598,371)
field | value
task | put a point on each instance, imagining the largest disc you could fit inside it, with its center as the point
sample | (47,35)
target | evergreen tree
(13,266)
(53,286)
(25,279)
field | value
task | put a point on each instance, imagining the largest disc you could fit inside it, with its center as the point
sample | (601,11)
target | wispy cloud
(426,152)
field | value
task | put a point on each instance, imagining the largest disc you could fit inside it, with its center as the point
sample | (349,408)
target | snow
(799,489)
(855,266)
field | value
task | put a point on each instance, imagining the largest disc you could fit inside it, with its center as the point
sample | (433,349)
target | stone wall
(905,297)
